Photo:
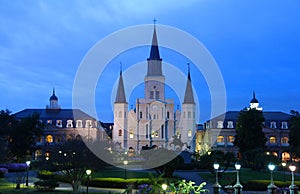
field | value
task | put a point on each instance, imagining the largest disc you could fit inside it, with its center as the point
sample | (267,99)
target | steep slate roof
(120,97)
(154,52)
(188,95)
(270,116)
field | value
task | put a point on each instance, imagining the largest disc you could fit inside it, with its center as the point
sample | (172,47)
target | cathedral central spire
(154,60)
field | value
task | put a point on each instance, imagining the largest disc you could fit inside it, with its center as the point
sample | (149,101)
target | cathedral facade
(154,122)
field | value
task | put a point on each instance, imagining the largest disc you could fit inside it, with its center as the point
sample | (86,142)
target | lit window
(284,125)
(285,141)
(220,140)
(220,124)
(69,123)
(131,134)
(230,124)
(120,132)
(49,122)
(273,125)
(79,123)
(49,139)
(272,140)
(59,123)
(190,133)
(230,140)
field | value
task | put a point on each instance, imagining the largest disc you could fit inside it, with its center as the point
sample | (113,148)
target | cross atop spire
(154,21)
(120,67)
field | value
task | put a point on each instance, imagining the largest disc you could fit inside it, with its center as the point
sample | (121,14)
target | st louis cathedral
(154,122)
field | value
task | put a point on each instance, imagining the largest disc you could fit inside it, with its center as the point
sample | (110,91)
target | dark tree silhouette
(294,135)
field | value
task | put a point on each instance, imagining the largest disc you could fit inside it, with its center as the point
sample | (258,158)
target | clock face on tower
(154,108)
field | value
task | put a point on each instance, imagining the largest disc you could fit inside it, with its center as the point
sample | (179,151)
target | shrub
(45,174)
(45,185)
(3,171)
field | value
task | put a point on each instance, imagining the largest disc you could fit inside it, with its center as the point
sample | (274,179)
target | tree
(249,134)
(6,121)
(23,134)
(294,135)
(72,158)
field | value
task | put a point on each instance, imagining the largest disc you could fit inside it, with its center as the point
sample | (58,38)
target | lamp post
(238,187)
(164,187)
(293,187)
(125,162)
(28,165)
(271,187)
(283,167)
(88,173)
(216,186)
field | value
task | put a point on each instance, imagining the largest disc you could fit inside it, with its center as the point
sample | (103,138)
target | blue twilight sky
(255,43)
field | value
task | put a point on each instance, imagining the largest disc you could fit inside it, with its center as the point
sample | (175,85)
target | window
(162,131)
(156,94)
(88,123)
(120,114)
(79,123)
(49,139)
(190,133)
(184,115)
(220,140)
(285,141)
(147,112)
(59,123)
(230,140)
(168,115)
(151,94)
(220,124)
(272,140)
(120,132)
(273,125)
(189,114)
(154,116)
(131,134)
(284,125)
(69,123)
(147,131)
(229,124)
(49,122)
(58,139)
(141,115)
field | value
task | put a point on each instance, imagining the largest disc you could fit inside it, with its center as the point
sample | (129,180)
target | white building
(154,120)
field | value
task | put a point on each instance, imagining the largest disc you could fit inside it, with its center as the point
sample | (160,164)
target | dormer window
(49,122)
(273,125)
(230,124)
(220,124)
(69,123)
(284,125)
(88,123)
(79,124)
(59,123)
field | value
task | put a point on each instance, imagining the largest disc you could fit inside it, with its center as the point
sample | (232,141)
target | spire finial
(53,91)
(120,67)
(254,94)
(189,76)
(154,21)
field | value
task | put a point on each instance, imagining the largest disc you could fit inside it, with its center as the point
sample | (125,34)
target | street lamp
(283,166)
(293,187)
(88,173)
(216,186)
(164,187)
(125,162)
(238,187)
(271,187)
(28,165)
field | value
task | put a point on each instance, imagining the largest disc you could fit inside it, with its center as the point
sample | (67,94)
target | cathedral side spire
(189,95)
(120,97)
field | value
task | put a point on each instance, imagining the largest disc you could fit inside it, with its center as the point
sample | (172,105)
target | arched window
(79,123)
(272,140)
(220,140)
(131,134)
(230,140)
(69,123)
(120,132)
(190,133)
(285,156)
(49,138)
(285,141)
